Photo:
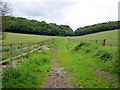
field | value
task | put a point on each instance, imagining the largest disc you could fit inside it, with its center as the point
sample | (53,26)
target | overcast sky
(75,13)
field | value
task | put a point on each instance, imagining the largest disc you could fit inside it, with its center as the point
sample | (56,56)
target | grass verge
(31,73)
(79,61)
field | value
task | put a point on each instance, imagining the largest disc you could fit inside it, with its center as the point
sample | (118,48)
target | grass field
(31,72)
(78,58)
(23,38)
(110,36)
(13,38)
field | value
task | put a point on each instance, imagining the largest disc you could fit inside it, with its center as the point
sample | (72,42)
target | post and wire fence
(103,42)
(25,49)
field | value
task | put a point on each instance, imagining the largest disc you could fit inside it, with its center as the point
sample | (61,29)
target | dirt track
(56,78)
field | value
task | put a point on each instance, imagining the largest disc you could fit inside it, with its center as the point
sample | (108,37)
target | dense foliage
(97,28)
(22,25)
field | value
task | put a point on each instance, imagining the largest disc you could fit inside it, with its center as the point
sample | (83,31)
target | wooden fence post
(45,42)
(96,41)
(28,48)
(40,43)
(33,46)
(11,55)
(37,45)
(22,51)
(104,42)
(11,59)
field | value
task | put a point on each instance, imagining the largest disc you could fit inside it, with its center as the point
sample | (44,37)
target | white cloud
(90,12)
(76,13)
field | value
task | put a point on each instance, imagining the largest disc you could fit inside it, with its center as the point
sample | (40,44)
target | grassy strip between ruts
(80,64)
(31,73)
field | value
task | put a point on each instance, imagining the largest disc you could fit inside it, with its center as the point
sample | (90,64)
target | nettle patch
(86,47)
(104,55)
(81,45)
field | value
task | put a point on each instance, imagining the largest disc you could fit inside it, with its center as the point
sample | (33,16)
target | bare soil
(107,77)
(56,77)
(44,47)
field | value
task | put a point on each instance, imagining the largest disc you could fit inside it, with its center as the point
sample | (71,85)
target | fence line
(35,44)
(103,42)
(96,41)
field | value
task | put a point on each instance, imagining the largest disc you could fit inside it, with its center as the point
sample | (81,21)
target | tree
(22,25)
(106,26)
(4,10)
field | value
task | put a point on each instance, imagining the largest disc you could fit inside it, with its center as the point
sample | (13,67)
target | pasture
(89,64)
(12,38)
(110,36)
(85,58)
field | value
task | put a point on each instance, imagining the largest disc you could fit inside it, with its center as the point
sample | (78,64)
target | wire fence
(102,42)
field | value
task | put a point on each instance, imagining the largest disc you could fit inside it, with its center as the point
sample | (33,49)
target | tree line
(22,25)
(97,28)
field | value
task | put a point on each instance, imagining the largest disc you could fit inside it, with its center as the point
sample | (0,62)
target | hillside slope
(110,36)
(23,38)
(100,27)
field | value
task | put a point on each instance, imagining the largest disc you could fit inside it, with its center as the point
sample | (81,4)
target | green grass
(28,75)
(81,62)
(75,56)
(12,38)
(110,36)
(31,73)
(17,47)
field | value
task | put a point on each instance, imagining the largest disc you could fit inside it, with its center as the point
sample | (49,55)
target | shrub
(104,55)
(116,65)
(52,44)
(81,45)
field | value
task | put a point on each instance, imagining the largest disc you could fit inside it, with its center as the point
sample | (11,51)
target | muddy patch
(44,47)
(56,78)
(107,77)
